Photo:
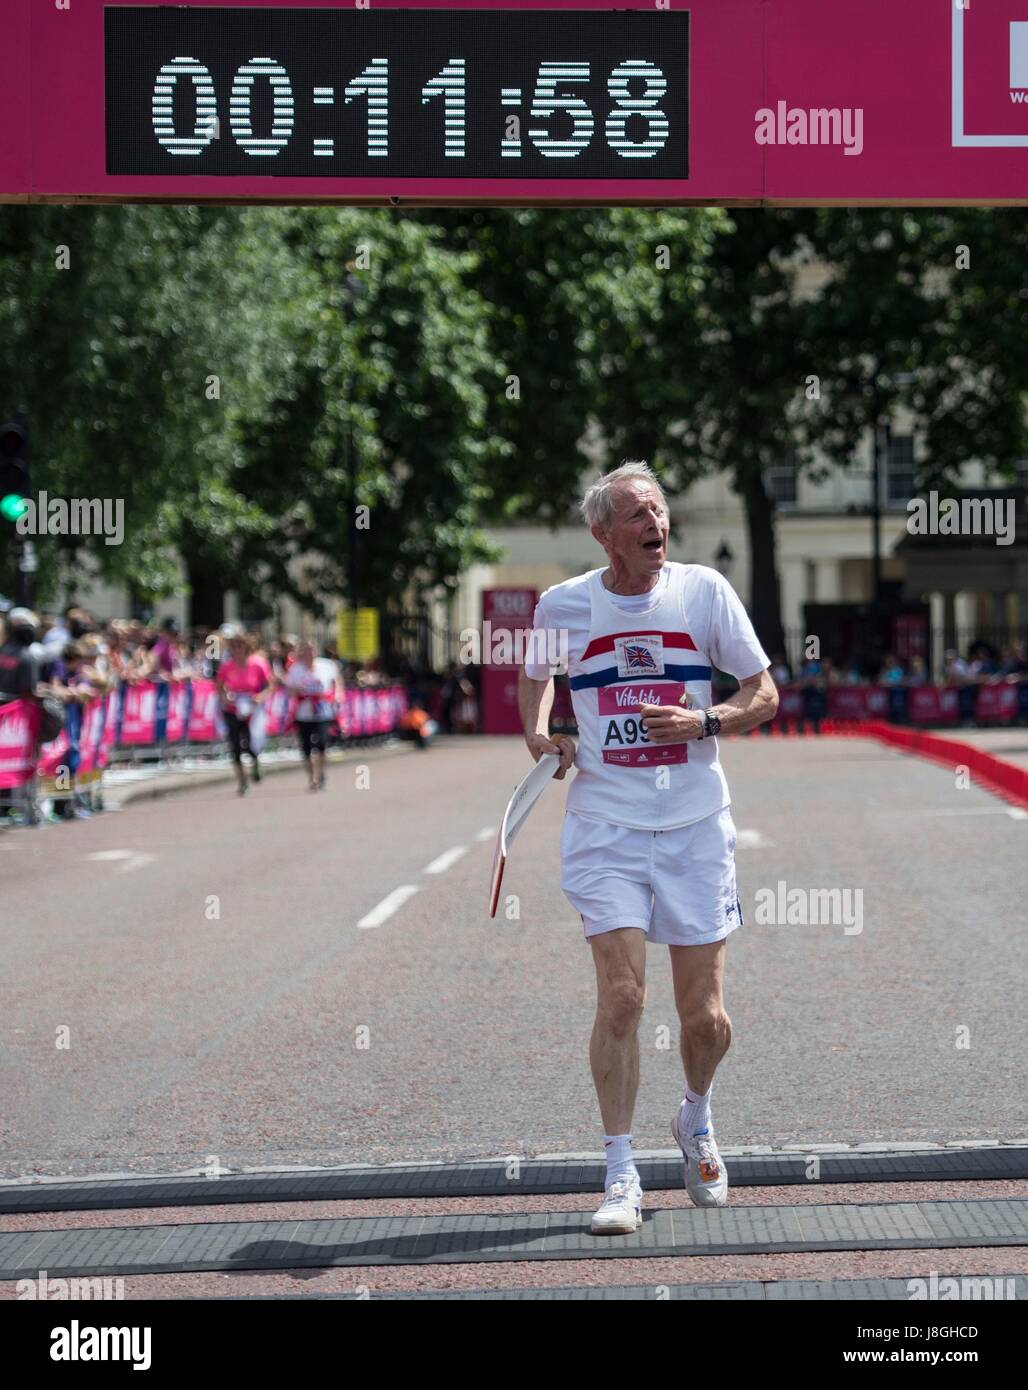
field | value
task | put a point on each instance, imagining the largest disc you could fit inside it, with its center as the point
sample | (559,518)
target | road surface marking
(752,839)
(487,834)
(389,904)
(440,865)
(1014,811)
(130,859)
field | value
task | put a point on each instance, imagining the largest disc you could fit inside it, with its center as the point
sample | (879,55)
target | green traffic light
(12,506)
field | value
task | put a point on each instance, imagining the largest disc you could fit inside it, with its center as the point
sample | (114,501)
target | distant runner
(648,843)
(244,684)
(319,683)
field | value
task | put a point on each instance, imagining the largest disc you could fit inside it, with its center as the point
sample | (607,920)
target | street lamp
(724,558)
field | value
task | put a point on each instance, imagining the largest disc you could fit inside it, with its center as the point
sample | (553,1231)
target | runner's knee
(706,1026)
(621,1005)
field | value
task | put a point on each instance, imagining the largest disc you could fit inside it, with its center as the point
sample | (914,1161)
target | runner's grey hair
(597,505)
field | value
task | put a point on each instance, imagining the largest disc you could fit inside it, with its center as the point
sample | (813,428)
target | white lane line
(450,856)
(1014,811)
(487,834)
(753,839)
(389,904)
(130,858)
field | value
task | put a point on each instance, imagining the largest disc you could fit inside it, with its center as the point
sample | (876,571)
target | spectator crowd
(66,660)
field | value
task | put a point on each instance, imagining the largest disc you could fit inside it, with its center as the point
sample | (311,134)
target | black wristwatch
(711,724)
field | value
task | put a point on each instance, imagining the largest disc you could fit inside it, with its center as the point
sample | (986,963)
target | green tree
(383,407)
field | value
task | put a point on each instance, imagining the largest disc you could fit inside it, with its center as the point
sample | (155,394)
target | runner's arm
(753,703)
(535,700)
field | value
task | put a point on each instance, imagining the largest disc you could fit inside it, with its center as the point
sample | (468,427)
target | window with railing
(780,484)
(900,471)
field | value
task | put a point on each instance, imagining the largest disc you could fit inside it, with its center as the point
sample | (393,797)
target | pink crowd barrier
(358,714)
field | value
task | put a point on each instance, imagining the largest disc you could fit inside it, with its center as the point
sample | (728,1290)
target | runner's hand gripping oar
(551,766)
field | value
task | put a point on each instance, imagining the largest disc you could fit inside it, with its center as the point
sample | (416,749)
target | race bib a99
(622,736)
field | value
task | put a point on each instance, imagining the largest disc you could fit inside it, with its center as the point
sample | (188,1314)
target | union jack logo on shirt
(639,658)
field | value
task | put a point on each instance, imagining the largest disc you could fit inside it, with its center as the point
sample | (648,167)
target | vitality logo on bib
(640,656)
(624,739)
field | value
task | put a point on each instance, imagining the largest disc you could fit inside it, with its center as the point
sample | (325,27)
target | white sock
(620,1161)
(694,1112)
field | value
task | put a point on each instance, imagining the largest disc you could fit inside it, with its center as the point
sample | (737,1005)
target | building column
(967,620)
(828,581)
(949,620)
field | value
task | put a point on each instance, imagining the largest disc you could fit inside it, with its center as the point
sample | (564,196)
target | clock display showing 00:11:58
(561,124)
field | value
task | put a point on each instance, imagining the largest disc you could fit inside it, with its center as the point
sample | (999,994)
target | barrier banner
(163,690)
(55,756)
(848,701)
(203,717)
(139,715)
(345,714)
(362,713)
(280,707)
(175,725)
(19,724)
(110,727)
(932,704)
(996,703)
(91,738)
(790,703)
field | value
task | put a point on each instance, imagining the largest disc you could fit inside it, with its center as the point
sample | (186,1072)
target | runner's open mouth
(653,545)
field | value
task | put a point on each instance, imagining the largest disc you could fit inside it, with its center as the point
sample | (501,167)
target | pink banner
(139,720)
(53,757)
(790,703)
(857,701)
(110,728)
(996,703)
(363,713)
(847,701)
(506,613)
(175,728)
(933,704)
(203,725)
(19,723)
(775,101)
(280,711)
(90,739)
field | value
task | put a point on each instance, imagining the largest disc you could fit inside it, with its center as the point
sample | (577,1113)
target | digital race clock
(407,93)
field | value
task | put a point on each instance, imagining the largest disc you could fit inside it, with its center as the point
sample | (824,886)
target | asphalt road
(223,1005)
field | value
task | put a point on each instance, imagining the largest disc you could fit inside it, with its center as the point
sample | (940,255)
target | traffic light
(15,481)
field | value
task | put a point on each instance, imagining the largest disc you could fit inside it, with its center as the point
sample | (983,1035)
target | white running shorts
(677,885)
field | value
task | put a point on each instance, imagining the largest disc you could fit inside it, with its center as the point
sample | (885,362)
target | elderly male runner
(648,843)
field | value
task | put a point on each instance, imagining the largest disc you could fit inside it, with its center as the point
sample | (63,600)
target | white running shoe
(620,1213)
(706,1177)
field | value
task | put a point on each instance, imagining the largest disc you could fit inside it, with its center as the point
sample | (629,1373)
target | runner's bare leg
(620,960)
(706,1029)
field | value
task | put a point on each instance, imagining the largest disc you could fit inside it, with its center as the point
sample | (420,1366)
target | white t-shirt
(311,682)
(655,647)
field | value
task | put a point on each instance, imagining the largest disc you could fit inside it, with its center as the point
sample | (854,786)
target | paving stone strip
(492,1178)
(466,1239)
